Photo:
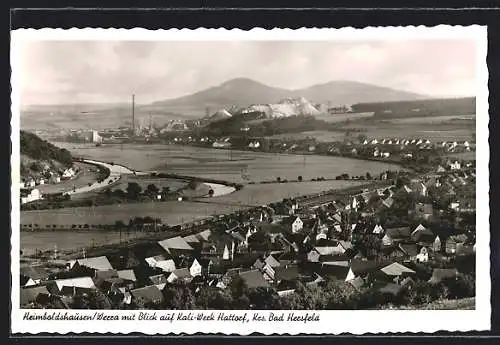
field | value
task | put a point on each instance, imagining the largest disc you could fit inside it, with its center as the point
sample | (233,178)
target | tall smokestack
(133,114)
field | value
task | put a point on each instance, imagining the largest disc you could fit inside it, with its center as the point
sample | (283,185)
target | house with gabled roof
(195,268)
(410,250)
(378,229)
(423,255)
(421,232)
(175,244)
(361,268)
(295,224)
(33,275)
(179,274)
(424,211)
(80,282)
(192,239)
(159,280)
(29,295)
(323,251)
(388,202)
(127,275)
(395,235)
(396,272)
(254,279)
(99,263)
(148,294)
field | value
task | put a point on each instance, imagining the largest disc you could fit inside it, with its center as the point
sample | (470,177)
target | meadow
(170,212)
(334,118)
(234,166)
(322,136)
(433,131)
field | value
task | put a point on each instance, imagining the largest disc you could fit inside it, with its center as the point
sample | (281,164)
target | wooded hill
(39,149)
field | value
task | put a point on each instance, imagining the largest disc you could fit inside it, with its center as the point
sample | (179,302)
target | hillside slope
(245,92)
(38,155)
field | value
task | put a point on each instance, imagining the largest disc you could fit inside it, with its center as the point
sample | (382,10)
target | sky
(62,72)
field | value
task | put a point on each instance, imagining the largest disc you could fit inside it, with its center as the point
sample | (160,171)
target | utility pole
(133,115)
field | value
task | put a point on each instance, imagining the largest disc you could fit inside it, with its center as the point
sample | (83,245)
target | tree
(152,189)
(369,245)
(133,190)
(264,299)
(193,184)
(300,178)
(361,138)
(213,298)
(338,293)
(278,179)
(178,297)
(211,192)
(119,224)
(368,176)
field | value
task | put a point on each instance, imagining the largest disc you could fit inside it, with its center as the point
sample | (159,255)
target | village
(407,243)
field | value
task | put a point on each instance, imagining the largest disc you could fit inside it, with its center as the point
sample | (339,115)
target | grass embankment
(446,304)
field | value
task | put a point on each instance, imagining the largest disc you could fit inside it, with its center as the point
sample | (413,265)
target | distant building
(30,195)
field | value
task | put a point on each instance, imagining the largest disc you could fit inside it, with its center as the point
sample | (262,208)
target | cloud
(91,71)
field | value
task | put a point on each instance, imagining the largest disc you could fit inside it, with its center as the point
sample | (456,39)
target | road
(115,173)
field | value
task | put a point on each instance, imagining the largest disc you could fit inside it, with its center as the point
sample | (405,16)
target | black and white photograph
(224,179)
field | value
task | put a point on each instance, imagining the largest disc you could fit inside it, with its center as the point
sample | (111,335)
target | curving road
(115,173)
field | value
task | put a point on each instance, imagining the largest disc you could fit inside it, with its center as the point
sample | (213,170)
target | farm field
(171,213)
(333,118)
(240,167)
(324,136)
(463,155)
(431,120)
(69,240)
(174,212)
(433,132)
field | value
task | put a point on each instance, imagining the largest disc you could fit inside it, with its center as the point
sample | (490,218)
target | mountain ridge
(245,92)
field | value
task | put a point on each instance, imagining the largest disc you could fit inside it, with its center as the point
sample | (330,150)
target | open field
(171,213)
(432,131)
(101,117)
(431,120)
(174,212)
(48,240)
(334,118)
(235,166)
(463,155)
(324,136)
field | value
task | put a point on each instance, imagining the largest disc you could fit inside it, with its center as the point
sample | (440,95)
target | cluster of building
(28,184)
(422,143)
(274,247)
